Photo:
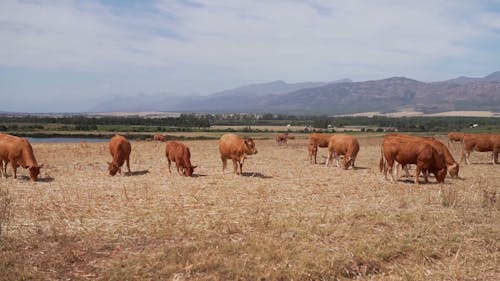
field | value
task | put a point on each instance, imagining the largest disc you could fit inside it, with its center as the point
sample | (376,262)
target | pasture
(283,219)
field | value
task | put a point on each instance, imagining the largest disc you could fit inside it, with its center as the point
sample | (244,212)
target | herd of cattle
(428,154)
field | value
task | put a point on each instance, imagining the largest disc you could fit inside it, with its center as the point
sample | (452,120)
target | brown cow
(406,151)
(343,145)
(180,154)
(119,148)
(455,137)
(317,140)
(281,138)
(481,143)
(159,138)
(18,152)
(235,148)
(451,165)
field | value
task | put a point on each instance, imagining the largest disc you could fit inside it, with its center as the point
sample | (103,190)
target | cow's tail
(382,162)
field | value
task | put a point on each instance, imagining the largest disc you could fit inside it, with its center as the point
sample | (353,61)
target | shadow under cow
(137,173)
(256,175)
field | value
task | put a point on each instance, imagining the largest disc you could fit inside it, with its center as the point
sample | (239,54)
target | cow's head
(453,170)
(34,172)
(188,171)
(440,175)
(250,146)
(346,162)
(113,168)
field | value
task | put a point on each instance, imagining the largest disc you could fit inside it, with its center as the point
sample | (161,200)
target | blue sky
(70,55)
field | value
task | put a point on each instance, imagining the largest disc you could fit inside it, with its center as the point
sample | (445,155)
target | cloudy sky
(69,55)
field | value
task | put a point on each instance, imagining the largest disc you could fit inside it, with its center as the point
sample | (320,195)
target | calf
(235,148)
(119,148)
(281,139)
(180,154)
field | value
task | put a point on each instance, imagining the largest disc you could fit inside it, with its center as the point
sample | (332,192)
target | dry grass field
(284,219)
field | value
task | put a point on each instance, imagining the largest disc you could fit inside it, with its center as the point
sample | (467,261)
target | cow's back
(320,140)
(230,145)
(120,144)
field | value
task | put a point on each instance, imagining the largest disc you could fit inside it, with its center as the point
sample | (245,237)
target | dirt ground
(283,219)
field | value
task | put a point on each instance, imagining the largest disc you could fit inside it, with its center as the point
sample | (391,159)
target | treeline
(184,120)
(202,122)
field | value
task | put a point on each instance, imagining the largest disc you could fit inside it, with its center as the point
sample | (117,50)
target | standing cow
(180,154)
(343,145)
(159,138)
(281,138)
(119,148)
(455,137)
(481,143)
(317,140)
(235,148)
(409,151)
(18,152)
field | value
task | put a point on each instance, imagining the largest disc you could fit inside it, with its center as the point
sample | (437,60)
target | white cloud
(236,42)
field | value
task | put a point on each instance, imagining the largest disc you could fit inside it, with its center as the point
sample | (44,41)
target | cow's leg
(128,164)
(14,168)
(495,157)
(181,173)
(235,166)
(169,164)
(390,166)
(224,164)
(337,160)
(417,173)
(328,159)
(426,175)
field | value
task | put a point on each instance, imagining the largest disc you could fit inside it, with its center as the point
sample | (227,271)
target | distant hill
(339,97)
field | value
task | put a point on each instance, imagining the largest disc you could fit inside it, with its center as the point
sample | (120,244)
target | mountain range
(337,97)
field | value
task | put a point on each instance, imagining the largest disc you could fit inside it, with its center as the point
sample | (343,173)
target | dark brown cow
(481,143)
(281,139)
(235,148)
(455,137)
(343,145)
(451,165)
(317,140)
(406,151)
(18,152)
(180,154)
(119,148)
(159,138)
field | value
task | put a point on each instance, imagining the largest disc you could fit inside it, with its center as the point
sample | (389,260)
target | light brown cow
(281,138)
(119,148)
(451,165)
(343,145)
(409,151)
(159,138)
(455,137)
(180,154)
(235,148)
(317,140)
(18,152)
(481,143)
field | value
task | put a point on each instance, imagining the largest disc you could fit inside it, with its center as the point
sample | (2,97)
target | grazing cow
(235,148)
(281,138)
(317,140)
(159,138)
(455,137)
(119,148)
(406,151)
(481,143)
(451,165)
(18,152)
(343,145)
(179,153)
